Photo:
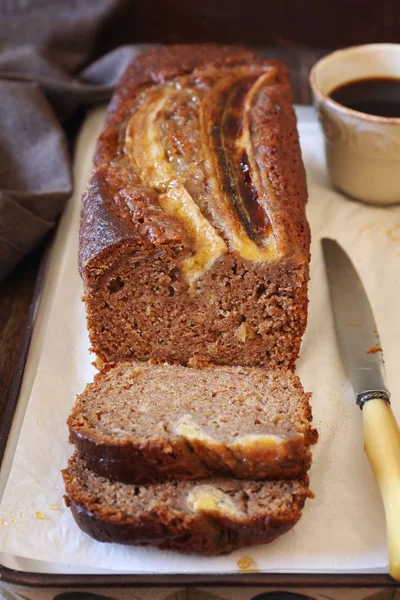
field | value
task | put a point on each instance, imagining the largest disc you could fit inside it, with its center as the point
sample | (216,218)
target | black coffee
(378,96)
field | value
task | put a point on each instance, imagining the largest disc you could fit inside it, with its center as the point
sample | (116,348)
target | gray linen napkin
(43,47)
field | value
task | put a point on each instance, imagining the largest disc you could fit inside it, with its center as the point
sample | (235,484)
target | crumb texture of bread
(209,517)
(139,423)
(193,224)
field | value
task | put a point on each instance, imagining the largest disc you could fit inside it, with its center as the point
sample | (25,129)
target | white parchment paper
(342,529)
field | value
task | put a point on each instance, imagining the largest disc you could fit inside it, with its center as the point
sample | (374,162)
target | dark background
(282,23)
(315,23)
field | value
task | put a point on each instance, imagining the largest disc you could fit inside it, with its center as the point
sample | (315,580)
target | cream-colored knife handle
(382,446)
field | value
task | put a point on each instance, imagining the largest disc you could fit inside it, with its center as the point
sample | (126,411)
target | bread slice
(194,239)
(139,423)
(210,516)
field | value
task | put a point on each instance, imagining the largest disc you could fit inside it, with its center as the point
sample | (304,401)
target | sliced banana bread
(138,423)
(210,516)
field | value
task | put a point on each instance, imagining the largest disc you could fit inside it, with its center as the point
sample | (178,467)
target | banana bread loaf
(194,240)
(210,516)
(139,423)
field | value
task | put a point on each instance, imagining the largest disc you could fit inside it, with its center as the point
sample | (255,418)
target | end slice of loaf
(139,423)
(210,516)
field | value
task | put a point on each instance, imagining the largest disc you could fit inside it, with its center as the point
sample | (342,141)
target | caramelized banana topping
(190,139)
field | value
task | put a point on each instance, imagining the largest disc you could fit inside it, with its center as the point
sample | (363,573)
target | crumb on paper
(374,349)
(39,515)
(394,233)
(53,507)
(248,564)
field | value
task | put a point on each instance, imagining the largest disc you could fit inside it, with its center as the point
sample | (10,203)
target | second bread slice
(139,423)
(211,516)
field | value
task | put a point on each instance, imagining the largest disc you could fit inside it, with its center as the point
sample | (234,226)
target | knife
(361,349)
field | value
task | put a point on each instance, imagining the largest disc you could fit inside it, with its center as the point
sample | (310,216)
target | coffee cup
(362,150)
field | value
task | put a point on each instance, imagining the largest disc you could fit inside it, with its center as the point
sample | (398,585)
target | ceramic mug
(362,150)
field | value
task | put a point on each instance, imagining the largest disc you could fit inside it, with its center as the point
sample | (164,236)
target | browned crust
(106,229)
(196,533)
(158,460)
(202,536)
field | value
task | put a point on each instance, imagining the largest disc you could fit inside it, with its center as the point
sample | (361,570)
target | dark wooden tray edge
(15,388)
(276,580)
(273,580)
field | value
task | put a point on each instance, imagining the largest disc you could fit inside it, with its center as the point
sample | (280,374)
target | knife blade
(354,324)
(359,342)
